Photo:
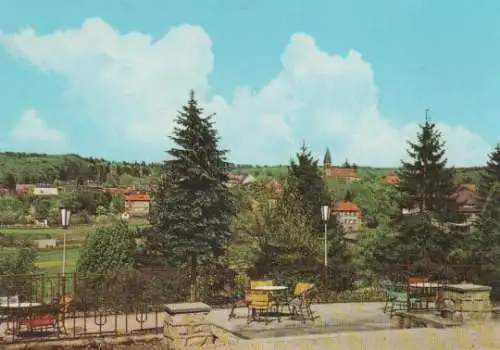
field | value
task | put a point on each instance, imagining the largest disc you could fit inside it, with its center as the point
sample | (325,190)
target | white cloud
(325,99)
(32,129)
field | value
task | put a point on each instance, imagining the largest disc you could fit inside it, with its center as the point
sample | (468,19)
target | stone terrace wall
(483,337)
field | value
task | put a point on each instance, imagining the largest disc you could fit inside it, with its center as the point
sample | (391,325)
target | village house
(349,216)
(391,179)
(275,190)
(137,204)
(467,201)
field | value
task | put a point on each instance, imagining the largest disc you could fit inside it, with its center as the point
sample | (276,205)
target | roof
(346,206)
(137,197)
(342,172)
(391,179)
(273,186)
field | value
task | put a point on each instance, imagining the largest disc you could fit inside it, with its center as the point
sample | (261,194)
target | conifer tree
(305,193)
(192,207)
(490,176)
(426,185)
(483,243)
(306,189)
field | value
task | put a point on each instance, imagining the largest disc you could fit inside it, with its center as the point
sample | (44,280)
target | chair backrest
(9,300)
(261,283)
(64,302)
(258,298)
(301,288)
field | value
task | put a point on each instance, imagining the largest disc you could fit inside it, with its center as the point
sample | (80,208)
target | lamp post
(325,216)
(65,217)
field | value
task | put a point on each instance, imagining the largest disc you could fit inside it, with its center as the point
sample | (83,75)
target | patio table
(271,289)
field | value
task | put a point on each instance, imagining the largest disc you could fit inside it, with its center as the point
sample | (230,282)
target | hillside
(32,168)
(462,175)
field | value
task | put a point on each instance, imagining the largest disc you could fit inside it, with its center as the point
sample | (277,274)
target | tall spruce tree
(192,207)
(306,189)
(426,185)
(483,243)
(490,176)
(304,194)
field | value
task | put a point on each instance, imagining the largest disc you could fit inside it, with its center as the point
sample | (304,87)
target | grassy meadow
(50,260)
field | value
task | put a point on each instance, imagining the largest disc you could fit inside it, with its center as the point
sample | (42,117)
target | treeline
(33,168)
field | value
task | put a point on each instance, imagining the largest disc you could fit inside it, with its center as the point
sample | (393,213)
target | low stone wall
(485,337)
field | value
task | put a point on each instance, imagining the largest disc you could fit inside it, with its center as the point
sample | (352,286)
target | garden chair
(54,317)
(259,303)
(233,299)
(397,299)
(300,304)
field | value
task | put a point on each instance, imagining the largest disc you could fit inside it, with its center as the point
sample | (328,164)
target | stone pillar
(185,325)
(471,302)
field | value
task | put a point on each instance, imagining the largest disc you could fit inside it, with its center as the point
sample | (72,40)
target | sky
(106,78)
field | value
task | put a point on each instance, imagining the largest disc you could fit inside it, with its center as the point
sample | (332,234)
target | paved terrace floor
(330,318)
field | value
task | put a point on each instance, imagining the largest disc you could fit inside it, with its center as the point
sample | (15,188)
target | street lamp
(325,216)
(65,217)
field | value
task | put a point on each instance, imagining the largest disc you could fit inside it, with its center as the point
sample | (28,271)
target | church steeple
(327,160)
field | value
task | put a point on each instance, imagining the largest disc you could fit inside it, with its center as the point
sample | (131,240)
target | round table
(270,288)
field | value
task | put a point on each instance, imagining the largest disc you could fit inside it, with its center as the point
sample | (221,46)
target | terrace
(133,305)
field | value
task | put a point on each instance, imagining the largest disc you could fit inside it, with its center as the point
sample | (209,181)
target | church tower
(327,160)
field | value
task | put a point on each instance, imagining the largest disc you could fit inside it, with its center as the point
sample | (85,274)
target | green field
(51,261)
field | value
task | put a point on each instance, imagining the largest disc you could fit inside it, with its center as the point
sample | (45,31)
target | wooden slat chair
(300,304)
(259,303)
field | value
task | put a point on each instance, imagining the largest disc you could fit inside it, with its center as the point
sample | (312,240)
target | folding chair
(301,303)
(259,303)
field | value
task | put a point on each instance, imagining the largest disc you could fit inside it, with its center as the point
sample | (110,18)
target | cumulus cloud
(31,128)
(130,80)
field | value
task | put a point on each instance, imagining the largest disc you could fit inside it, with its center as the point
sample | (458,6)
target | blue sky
(105,78)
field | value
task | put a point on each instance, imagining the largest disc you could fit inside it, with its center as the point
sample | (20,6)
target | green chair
(397,299)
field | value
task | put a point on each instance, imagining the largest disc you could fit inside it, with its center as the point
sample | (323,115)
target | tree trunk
(193,290)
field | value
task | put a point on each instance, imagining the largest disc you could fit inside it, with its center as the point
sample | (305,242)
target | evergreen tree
(304,195)
(306,190)
(490,175)
(426,185)
(192,207)
(483,243)
(327,160)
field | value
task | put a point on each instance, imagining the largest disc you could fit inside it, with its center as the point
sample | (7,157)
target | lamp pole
(325,216)
(65,217)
